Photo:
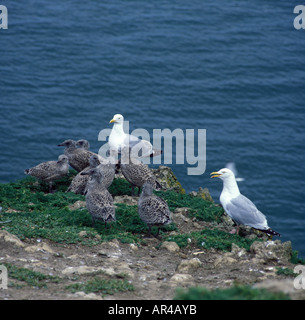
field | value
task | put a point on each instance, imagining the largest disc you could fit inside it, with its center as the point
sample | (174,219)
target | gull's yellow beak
(111,121)
(215,174)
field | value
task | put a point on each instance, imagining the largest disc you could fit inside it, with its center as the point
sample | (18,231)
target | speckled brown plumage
(50,171)
(137,173)
(79,183)
(153,210)
(99,201)
(78,157)
(108,169)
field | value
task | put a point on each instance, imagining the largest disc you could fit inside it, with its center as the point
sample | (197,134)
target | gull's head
(62,159)
(96,173)
(117,118)
(223,174)
(68,143)
(147,189)
(94,161)
(84,144)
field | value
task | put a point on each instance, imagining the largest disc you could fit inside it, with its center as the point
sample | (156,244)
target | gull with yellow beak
(241,209)
(118,139)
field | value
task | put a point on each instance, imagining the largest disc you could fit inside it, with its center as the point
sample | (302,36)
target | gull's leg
(237,230)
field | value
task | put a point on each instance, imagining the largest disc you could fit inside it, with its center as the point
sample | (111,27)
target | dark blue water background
(234,68)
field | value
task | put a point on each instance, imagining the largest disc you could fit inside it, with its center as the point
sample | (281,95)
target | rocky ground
(151,268)
(155,269)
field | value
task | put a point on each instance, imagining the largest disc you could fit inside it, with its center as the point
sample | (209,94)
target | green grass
(30,277)
(212,238)
(237,292)
(120,187)
(101,286)
(287,272)
(201,209)
(43,215)
(295,259)
(39,214)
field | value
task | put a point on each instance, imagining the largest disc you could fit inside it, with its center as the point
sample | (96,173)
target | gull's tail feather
(271,232)
(155,153)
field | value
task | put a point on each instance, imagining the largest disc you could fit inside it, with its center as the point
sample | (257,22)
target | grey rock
(268,251)
(283,285)
(188,266)
(167,179)
(5,236)
(170,246)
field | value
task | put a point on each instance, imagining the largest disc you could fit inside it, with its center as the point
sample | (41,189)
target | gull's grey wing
(139,147)
(131,141)
(243,211)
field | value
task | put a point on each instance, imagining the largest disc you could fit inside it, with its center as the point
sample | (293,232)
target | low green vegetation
(295,259)
(29,211)
(237,292)
(212,238)
(101,286)
(29,277)
(199,208)
(287,272)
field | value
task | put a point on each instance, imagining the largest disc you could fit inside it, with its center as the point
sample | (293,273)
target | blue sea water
(234,68)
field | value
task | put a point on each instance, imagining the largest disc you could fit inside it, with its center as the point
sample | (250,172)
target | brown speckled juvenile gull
(107,167)
(99,201)
(50,171)
(136,172)
(79,183)
(78,157)
(153,210)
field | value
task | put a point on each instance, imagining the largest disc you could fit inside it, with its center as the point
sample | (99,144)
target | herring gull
(107,168)
(118,139)
(78,184)
(78,157)
(99,201)
(50,171)
(153,210)
(80,181)
(241,209)
(136,172)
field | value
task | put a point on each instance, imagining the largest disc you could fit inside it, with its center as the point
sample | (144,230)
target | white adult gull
(241,209)
(118,139)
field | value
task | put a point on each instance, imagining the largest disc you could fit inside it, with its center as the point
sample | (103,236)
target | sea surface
(234,68)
